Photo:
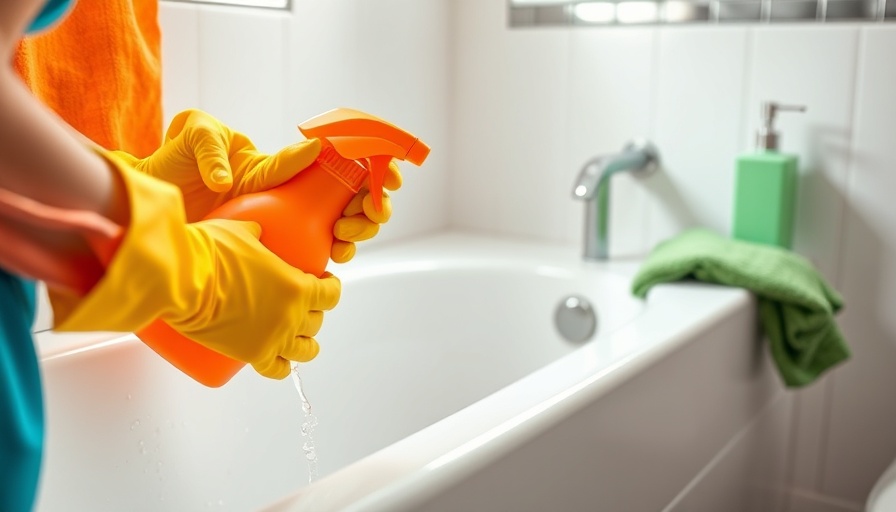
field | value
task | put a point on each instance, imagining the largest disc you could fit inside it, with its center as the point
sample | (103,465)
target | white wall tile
(611,80)
(788,64)
(699,93)
(510,138)
(326,51)
(405,77)
(180,57)
(862,438)
(390,59)
(241,72)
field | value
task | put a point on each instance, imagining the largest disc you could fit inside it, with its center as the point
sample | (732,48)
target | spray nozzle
(368,140)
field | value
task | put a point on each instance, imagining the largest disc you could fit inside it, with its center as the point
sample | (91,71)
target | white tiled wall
(699,91)
(533,105)
(862,427)
(611,81)
(510,102)
(263,72)
(513,114)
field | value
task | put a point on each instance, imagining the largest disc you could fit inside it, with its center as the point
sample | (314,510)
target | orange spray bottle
(297,217)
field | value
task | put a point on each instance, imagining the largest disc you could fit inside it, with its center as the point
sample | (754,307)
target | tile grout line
(830,383)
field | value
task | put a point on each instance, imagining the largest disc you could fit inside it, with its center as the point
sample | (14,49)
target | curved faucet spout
(593,186)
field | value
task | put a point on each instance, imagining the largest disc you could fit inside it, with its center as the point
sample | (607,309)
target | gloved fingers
(380,217)
(356,228)
(356,205)
(310,323)
(363,203)
(392,179)
(180,121)
(211,153)
(281,166)
(324,293)
(342,252)
(205,140)
(301,349)
(275,368)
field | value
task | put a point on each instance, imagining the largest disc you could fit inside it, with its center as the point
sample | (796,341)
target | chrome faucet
(639,157)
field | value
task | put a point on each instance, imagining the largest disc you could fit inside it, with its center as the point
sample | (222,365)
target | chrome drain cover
(575,319)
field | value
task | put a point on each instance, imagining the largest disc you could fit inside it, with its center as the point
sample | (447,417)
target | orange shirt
(100,71)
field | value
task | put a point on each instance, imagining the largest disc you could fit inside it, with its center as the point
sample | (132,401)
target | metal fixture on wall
(266,4)
(639,158)
(529,13)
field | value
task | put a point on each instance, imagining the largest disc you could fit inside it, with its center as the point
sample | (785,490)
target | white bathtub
(441,385)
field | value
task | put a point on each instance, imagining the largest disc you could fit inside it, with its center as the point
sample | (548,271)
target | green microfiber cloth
(796,305)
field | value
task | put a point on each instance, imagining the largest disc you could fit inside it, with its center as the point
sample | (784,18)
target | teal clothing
(21,403)
(53,10)
(21,400)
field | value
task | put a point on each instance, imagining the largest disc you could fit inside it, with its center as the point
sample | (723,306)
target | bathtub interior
(414,340)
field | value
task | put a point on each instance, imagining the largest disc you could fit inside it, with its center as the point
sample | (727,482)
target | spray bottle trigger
(378,166)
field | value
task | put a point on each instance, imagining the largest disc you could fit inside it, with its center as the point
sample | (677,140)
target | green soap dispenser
(765,186)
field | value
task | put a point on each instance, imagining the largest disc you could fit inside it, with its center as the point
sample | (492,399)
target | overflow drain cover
(575,319)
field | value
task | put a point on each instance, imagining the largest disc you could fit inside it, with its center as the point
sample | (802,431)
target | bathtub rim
(445,250)
(411,470)
(420,474)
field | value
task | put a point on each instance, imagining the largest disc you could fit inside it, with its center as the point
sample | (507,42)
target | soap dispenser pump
(765,186)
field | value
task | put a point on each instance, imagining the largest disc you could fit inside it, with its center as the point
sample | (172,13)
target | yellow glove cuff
(156,213)
(212,281)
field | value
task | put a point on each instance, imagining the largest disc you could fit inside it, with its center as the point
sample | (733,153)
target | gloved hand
(212,281)
(211,164)
(360,221)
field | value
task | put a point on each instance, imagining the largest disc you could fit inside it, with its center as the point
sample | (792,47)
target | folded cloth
(796,304)
(99,69)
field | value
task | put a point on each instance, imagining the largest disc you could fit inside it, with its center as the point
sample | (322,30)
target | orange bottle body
(296,221)
(297,217)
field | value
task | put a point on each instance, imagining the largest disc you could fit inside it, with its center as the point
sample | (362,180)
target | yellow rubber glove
(212,281)
(360,221)
(211,164)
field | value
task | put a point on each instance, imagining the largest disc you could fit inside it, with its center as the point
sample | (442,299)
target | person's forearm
(42,158)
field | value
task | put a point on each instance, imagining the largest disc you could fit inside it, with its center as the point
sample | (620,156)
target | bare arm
(44,159)
(40,156)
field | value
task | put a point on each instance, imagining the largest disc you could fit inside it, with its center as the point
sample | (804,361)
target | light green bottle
(765,187)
